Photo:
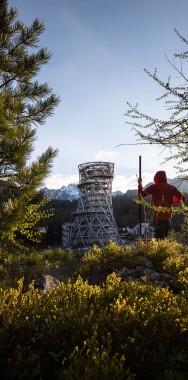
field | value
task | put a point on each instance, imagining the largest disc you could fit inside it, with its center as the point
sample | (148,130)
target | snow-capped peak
(69,192)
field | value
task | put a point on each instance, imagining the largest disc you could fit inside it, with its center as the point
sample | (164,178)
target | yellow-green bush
(165,255)
(57,255)
(98,260)
(15,265)
(120,331)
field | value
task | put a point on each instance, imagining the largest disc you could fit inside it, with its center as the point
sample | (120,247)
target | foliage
(120,331)
(182,235)
(24,104)
(28,228)
(182,209)
(29,264)
(166,256)
(125,210)
(62,210)
(105,260)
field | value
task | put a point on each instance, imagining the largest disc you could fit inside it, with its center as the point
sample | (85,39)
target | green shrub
(128,330)
(57,256)
(15,265)
(165,255)
(115,331)
(108,259)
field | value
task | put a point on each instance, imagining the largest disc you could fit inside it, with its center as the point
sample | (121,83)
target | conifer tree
(24,105)
(171,132)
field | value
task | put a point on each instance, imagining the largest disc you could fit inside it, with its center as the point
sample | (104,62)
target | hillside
(128,322)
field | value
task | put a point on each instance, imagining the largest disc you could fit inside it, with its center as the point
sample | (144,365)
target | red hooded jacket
(163,194)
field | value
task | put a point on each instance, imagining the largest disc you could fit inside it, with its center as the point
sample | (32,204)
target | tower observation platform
(94,221)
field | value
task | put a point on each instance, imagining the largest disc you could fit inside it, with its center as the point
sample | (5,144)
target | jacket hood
(160,177)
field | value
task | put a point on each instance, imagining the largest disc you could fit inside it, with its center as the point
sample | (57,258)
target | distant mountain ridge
(68,193)
(180,184)
(65,193)
(71,192)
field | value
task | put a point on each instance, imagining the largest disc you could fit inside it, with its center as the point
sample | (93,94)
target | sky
(99,51)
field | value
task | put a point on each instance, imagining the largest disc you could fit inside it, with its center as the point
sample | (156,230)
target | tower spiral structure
(94,220)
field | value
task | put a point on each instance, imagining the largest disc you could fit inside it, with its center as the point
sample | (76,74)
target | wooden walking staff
(140,206)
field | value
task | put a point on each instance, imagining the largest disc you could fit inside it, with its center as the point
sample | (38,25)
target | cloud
(125,182)
(56,181)
(120,182)
(105,154)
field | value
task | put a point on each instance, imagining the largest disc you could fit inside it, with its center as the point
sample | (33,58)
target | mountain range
(68,193)
(71,191)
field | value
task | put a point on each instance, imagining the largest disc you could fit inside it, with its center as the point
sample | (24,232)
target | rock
(46,283)
(146,262)
(144,274)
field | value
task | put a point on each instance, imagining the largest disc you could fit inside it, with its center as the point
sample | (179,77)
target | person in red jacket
(163,195)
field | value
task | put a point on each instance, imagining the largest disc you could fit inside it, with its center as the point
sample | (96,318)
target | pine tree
(24,104)
(172,132)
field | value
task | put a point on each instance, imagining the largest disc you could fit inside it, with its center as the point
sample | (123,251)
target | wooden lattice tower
(94,220)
